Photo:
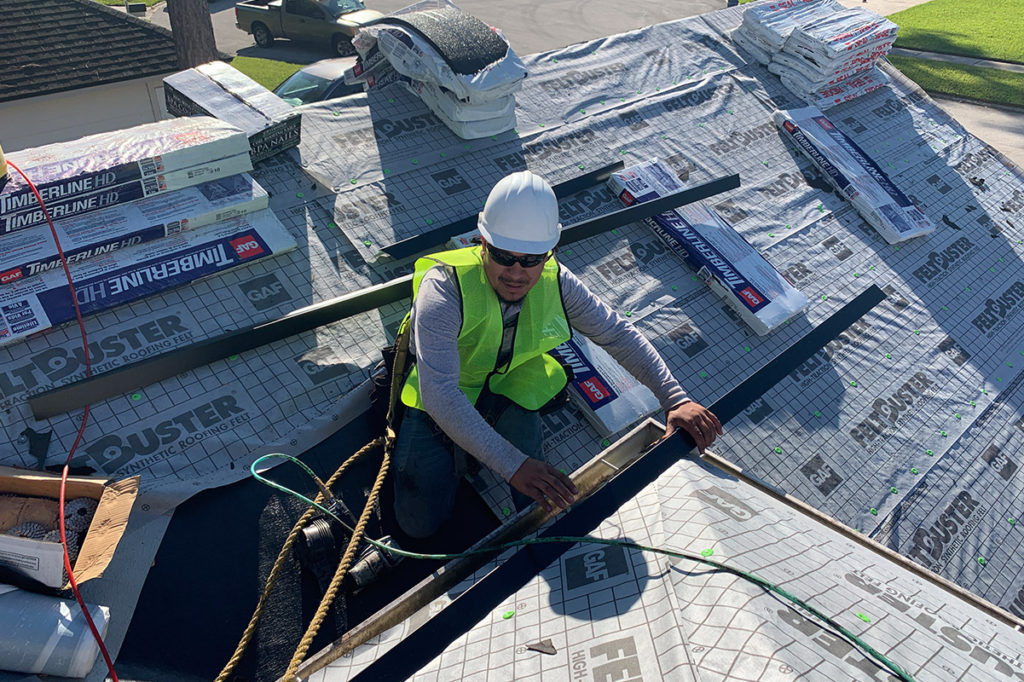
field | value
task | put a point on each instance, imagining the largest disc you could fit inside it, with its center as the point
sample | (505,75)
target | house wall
(69,115)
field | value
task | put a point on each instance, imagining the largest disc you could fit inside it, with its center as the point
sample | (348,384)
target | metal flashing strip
(124,379)
(436,237)
(427,642)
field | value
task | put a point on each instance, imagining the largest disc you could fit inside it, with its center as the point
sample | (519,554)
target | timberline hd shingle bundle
(823,52)
(734,270)
(33,251)
(34,304)
(118,167)
(462,69)
(854,174)
(219,90)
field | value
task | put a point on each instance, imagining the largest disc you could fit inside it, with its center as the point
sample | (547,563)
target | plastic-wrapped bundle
(854,174)
(751,47)
(831,37)
(769,24)
(444,46)
(828,97)
(819,76)
(443,103)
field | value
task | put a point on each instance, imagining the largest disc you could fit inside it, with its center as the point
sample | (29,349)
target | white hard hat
(521,215)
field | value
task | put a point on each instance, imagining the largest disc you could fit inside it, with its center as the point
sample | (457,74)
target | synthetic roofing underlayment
(908,427)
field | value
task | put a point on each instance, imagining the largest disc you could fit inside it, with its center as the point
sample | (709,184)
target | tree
(192,29)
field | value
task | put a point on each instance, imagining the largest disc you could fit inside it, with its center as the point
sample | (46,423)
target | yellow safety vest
(532,377)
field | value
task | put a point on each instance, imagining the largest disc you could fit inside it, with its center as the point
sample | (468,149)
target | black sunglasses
(506,259)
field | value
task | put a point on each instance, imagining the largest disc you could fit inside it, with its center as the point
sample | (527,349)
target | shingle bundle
(462,69)
(823,52)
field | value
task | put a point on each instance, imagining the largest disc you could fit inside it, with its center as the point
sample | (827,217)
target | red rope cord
(81,429)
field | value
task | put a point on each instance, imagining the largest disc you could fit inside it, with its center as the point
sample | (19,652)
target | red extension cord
(81,429)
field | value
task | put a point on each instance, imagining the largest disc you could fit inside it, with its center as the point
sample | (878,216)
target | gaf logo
(688,339)
(10,276)
(265,292)
(751,297)
(838,248)
(1000,462)
(954,351)
(246,247)
(594,566)
(758,411)
(320,366)
(594,389)
(450,181)
(730,504)
(633,119)
(824,477)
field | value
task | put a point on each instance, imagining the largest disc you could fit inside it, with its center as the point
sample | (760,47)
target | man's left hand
(697,420)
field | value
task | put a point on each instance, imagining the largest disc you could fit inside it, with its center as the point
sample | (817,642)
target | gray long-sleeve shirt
(436,323)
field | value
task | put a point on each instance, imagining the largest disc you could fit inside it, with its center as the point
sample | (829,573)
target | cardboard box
(34,304)
(102,170)
(31,252)
(218,89)
(733,269)
(44,561)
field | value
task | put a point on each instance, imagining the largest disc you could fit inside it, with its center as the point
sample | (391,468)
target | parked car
(318,81)
(328,22)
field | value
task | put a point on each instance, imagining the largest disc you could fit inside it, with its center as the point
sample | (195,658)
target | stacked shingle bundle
(462,69)
(136,211)
(824,53)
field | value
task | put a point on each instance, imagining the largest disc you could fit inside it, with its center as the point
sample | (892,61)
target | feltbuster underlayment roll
(32,251)
(113,168)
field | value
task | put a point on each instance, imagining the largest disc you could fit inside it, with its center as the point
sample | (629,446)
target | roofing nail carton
(721,257)
(107,169)
(43,561)
(218,89)
(32,251)
(34,304)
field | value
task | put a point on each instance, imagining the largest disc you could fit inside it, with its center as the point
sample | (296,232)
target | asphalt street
(532,26)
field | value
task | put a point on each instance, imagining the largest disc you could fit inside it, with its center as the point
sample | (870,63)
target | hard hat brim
(516,245)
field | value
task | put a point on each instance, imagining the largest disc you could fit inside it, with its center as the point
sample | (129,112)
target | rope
(339,575)
(250,629)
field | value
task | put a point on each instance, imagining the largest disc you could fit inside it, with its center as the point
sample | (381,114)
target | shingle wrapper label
(609,396)
(855,174)
(733,269)
(219,90)
(103,170)
(37,303)
(31,252)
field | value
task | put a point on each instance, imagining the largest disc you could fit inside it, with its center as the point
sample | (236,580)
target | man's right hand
(544,483)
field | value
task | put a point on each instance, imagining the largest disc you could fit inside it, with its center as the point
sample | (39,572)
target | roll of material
(47,635)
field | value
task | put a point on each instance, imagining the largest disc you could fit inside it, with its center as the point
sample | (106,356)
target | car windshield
(339,7)
(302,88)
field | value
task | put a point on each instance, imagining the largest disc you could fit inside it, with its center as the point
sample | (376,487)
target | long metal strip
(426,643)
(130,377)
(438,236)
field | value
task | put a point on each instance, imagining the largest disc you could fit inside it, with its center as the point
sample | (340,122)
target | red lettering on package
(246,247)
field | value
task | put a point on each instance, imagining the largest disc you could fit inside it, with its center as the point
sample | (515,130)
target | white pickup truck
(328,22)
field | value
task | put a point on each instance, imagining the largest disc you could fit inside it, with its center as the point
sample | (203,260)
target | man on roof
(482,321)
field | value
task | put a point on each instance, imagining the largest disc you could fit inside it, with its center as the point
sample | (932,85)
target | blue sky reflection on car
(319,81)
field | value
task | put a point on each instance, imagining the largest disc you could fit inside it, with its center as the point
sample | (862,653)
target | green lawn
(267,72)
(990,29)
(958,80)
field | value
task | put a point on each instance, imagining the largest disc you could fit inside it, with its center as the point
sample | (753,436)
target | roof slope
(57,45)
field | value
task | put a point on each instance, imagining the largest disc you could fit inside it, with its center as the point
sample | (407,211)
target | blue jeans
(424,466)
